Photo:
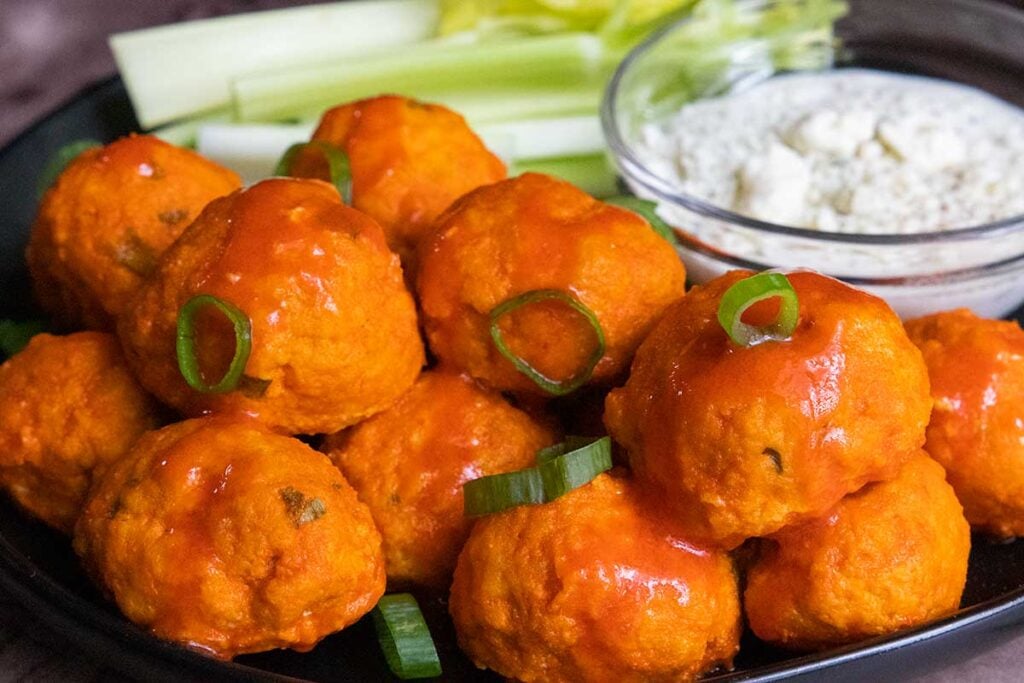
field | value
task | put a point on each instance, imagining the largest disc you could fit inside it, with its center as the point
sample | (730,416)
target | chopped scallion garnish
(551,386)
(497,492)
(337,164)
(60,160)
(747,292)
(188,362)
(405,638)
(575,468)
(14,336)
(560,468)
(647,210)
(571,443)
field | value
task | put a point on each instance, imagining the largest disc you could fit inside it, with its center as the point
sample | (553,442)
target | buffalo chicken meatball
(535,234)
(68,409)
(977,425)
(102,227)
(409,463)
(593,587)
(742,441)
(334,336)
(891,556)
(408,160)
(228,538)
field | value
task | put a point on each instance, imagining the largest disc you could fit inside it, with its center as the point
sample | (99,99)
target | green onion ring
(747,292)
(571,443)
(646,209)
(498,492)
(405,637)
(60,160)
(575,468)
(337,164)
(560,469)
(188,363)
(553,387)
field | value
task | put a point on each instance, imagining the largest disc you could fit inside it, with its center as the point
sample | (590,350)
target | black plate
(38,567)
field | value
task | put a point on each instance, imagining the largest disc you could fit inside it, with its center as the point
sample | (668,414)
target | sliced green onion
(744,294)
(575,468)
(60,160)
(337,163)
(571,443)
(551,386)
(497,492)
(15,336)
(253,387)
(405,638)
(188,362)
(647,210)
(560,469)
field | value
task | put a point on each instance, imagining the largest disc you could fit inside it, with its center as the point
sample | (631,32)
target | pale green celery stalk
(181,70)
(609,17)
(184,133)
(591,173)
(568,136)
(250,150)
(488,106)
(482,107)
(425,71)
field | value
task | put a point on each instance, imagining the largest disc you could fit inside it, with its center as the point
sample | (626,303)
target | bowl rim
(636,171)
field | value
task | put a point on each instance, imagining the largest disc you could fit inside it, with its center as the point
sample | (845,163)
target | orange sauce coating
(531,233)
(744,441)
(977,425)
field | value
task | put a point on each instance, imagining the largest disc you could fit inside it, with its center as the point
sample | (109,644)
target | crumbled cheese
(849,150)
(772,185)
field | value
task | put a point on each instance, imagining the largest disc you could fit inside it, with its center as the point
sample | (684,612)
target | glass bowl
(975,42)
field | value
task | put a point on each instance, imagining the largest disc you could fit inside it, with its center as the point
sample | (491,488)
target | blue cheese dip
(850,151)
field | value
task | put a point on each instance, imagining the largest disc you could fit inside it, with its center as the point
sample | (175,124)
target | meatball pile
(270,402)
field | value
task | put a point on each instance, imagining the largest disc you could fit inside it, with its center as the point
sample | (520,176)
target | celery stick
(483,107)
(428,70)
(184,133)
(592,173)
(550,137)
(250,150)
(184,69)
